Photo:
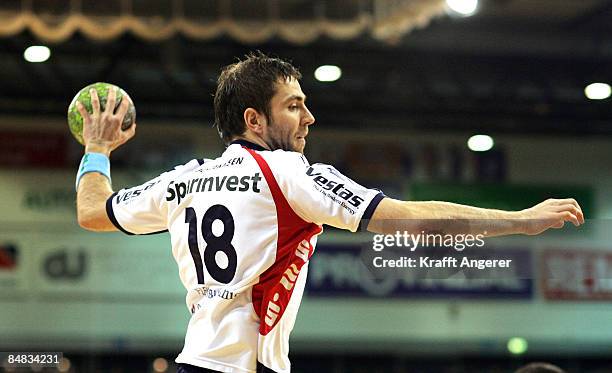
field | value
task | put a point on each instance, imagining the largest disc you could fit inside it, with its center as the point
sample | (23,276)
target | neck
(252,138)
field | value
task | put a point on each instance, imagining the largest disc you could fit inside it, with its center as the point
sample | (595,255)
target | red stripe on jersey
(293,249)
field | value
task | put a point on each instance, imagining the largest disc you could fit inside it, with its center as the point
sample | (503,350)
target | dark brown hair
(250,83)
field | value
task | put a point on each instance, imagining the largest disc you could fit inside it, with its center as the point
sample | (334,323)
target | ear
(254,121)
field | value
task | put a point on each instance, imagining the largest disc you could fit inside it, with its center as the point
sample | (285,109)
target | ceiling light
(463,7)
(328,73)
(480,143)
(64,365)
(37,53)
(160,365)
(517,345)
(598,91)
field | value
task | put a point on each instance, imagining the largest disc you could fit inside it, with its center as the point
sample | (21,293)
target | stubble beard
(276,143)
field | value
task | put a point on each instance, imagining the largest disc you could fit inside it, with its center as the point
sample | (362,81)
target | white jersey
(243,227)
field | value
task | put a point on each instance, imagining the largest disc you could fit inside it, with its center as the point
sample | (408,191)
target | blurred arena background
(414,81)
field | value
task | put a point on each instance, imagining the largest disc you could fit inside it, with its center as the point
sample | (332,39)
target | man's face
(289,119)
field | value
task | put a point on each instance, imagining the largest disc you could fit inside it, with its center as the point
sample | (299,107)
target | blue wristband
(93,162)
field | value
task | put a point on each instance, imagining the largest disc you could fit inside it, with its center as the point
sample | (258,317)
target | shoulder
(184,168)
(288,161)
(191,165)
(170,176)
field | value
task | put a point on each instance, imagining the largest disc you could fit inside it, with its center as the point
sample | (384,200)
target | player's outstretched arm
(392,216)
(102,134)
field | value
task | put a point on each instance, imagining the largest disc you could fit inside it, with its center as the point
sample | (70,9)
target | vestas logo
(335,187)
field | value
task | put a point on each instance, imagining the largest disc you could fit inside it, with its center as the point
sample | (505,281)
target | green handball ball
(75,120)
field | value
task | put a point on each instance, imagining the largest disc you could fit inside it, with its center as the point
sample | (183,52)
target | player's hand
(552,213)
(102,131)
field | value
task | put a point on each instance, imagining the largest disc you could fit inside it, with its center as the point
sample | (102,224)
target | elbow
(88,222)
(85,222)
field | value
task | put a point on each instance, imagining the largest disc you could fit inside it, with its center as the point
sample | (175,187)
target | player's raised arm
(102,134)
(393,215)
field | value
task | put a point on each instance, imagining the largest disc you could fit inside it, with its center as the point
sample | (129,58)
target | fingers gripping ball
(75,120)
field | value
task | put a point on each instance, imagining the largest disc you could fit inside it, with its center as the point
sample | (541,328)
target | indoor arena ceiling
(517,66)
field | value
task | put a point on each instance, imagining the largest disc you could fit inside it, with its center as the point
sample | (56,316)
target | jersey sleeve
(143,209)
(139,210)
(320,194)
